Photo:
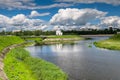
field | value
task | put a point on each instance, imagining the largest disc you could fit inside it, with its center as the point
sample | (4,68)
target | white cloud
(75,16)
(90,26)
(28,4)
(82,27)
(3,19)
(36,14)
(20,21)
(113,2)
(113,21)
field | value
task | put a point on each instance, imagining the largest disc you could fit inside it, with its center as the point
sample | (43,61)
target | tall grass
(32,38)
(19,65)
(112,43)
(9,40)
(115,37)
(14,66)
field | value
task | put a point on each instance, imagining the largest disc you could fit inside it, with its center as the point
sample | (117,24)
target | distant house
(59,32)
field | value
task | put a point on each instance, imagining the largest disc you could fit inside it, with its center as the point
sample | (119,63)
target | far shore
(91,35)
(98,35)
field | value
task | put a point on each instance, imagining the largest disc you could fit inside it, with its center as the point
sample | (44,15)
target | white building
(59,32)
(118,32)
(16,31)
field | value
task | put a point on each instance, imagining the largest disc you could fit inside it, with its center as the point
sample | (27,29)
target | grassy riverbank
(64,36)
(53,39)
(19,65)
(6,41)
(32,38)
(61,39)
(112,43)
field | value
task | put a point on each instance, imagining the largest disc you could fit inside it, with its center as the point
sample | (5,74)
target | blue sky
(46,9)
(111,9)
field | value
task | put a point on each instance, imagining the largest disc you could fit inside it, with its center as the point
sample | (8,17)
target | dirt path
(2,55)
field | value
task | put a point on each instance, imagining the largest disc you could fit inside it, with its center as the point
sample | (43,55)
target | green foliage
(15,68)
(52,39)
(113,43)
(9,40)
(37,40)
(90,46)
(65,36)
(60,39)
(115,37)
(19,65)
(44,70)
(29,33)
(0,79)
(72,32)
(32,38)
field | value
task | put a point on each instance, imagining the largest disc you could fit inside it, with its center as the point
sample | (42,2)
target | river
(81,60)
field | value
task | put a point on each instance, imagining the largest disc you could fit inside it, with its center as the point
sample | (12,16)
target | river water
(81,60)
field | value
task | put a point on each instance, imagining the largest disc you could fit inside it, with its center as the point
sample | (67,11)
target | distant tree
(3,33)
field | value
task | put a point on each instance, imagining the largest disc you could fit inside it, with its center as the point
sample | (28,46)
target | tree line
(72,32)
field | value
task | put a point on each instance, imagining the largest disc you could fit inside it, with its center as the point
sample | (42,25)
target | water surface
(82,60)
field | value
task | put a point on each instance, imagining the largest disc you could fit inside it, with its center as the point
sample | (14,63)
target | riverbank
(19,65)
(53,39)
(113,43)
(5,42)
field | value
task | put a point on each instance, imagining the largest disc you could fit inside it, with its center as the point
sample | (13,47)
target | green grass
(36,40)
(9,40)
(62,39)
(53,39)
(0,79)
(33,38)
(65,36)
(19,65)
(116,37)
(112,43)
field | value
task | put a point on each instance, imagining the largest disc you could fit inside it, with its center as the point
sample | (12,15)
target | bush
(116,37)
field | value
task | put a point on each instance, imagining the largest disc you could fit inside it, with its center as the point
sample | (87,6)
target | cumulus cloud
(28,4)
(36,14)
(75,16)
(113,2)
(17,20)
(20,21)
(111,21)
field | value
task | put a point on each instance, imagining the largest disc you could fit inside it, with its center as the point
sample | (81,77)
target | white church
(59,32)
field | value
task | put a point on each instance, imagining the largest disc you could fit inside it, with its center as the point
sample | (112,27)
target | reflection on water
(81,62)
(61,48)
